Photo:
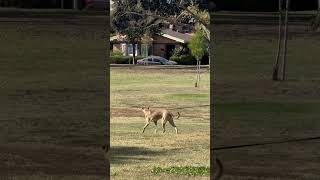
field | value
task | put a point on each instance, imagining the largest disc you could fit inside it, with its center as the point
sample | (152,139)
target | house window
(130,49)
(144,50)
(124,48)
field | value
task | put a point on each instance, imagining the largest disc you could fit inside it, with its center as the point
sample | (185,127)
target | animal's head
(145,109)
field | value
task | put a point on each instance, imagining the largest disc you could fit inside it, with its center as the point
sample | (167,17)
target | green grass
(251,108)
(188,97)
(189,171)
(135,154)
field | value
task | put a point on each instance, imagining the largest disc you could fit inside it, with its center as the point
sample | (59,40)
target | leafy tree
(135,18)
(199,47)
(133,25)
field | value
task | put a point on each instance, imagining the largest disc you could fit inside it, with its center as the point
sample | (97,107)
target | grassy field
(52,76)
(250,108)
(135,155)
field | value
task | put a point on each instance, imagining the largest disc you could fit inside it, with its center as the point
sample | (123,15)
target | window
(123,48)
(144,50)
(130,50)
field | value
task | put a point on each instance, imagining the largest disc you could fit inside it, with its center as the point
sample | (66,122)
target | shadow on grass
(121,154)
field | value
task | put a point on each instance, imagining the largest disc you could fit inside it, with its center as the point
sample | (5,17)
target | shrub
(116,53)
(122,59)
(184,59)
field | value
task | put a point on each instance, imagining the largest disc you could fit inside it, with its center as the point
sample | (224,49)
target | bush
(116,53)
(184,59)
(122,59)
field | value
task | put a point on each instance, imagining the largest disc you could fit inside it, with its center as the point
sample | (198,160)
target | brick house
(162,44)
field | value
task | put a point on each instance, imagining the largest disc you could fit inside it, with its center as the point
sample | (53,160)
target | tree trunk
(276,65)
(134,53)
(197,66)
(284,60)
(209,56)
(199,72)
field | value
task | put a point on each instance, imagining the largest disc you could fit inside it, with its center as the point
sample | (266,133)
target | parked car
(155,60)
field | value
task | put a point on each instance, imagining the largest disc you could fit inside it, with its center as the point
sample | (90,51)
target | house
(161,44)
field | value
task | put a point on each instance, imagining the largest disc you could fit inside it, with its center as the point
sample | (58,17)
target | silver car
(155,60)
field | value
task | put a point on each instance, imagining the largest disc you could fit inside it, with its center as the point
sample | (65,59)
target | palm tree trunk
(284,60)
(276,65)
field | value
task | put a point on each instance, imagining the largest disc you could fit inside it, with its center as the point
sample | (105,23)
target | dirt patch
(126,112)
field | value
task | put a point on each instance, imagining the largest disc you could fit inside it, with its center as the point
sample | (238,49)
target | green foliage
(188,170)
(177,52)
(184,59)
(126,19)
(116,53)
(198,45)
(122,59)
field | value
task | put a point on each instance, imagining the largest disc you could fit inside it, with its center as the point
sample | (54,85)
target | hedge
(122,59)
(189,60)
(184,60)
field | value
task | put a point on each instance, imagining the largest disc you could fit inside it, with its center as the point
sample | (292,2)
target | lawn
(251,108)
(52,77)
(162,155)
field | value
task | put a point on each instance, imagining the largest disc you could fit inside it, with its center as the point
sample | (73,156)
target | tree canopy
(198,45)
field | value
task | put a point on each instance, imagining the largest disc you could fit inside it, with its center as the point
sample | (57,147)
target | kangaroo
(153,115)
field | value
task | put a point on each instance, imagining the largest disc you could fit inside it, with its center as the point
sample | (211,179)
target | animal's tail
(178,115)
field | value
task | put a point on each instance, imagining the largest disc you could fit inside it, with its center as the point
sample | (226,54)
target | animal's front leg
(145,127)
(164,127)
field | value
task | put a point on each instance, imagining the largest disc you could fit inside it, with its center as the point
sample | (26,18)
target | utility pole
(276,65)
(62,4)
(284,60)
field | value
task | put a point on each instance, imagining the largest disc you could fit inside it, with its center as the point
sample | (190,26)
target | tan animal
(153,115)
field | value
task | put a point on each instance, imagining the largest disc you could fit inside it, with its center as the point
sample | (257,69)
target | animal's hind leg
(173,125)
(155,130)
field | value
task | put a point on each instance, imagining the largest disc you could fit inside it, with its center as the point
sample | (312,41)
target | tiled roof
(176,36)
(167,33)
